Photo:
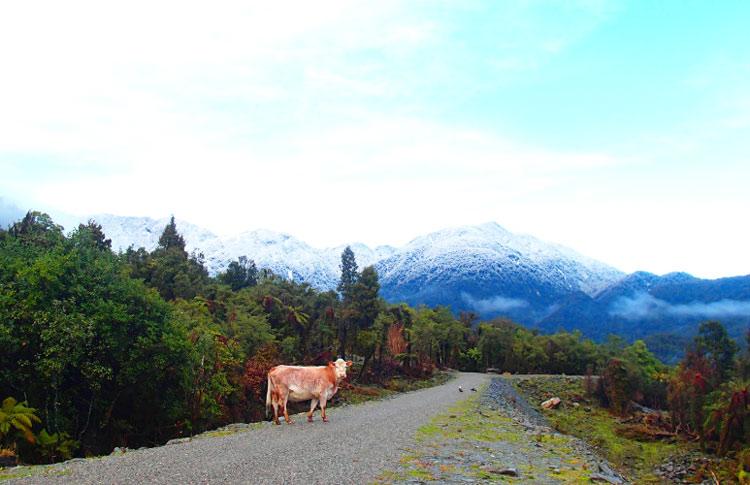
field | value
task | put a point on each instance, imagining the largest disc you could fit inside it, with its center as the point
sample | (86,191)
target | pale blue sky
(620,129)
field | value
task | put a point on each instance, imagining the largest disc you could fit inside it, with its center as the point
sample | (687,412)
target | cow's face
(339,368)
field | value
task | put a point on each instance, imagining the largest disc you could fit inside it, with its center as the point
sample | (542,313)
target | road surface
(356,445)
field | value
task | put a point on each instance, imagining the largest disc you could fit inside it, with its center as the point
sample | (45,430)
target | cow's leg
(313,404)
(286,413)
(275,403)
(323,408)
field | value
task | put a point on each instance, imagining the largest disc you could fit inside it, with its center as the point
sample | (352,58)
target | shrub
(728,417)
(687,391)
(254,379)
(616,386)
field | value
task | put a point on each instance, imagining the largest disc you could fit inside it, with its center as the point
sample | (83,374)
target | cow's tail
(268,395)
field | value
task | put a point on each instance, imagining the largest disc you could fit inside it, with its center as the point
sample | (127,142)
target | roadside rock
(600,477)
(551,403)
(178,441)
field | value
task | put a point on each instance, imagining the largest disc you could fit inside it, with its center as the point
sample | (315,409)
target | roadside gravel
(355,447)
(497,436)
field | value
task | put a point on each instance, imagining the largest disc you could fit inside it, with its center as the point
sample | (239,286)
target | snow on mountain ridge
(281,253)
(466,249)
(474,249)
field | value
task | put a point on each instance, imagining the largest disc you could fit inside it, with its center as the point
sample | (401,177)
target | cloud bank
(494,304)
(645,306)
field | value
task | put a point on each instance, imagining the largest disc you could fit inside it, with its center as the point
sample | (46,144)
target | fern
(18,418)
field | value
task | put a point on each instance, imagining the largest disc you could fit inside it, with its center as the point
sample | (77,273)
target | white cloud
(643,305)
(494,304)
(325,120)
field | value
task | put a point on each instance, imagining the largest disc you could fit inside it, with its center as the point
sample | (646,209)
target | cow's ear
(348,363)
(331,364)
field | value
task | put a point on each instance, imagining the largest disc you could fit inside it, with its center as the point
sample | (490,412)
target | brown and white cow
(299,383)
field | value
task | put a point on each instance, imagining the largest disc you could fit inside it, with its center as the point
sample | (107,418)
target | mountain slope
(480,268)
(281,253)
(492,271)
(644,304)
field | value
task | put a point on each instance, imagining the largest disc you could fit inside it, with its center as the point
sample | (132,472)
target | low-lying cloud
(494,304)
(644,306)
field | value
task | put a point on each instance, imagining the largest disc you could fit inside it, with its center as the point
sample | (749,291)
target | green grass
(30,471)
(460,422)
(420,474)
(637,458)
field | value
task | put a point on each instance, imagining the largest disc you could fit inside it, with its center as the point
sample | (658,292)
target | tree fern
(17,417)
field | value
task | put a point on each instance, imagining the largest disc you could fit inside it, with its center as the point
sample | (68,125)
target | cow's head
(339,368)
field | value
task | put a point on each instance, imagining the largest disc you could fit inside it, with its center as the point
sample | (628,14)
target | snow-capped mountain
(281,253)
(482,268)
(144,232)
(492,271)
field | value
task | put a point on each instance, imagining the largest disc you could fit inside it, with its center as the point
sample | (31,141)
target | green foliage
(470,360)
(16,418)
(365,300)
(169,268)
(92,234)
(349,274)
(171,239)
(144,346)
(437,336)
(348,314)
(38,229)
(240,274)
(510,347)
(728,416)
(703,399)
(97,351)
(714,342)
(618,385)
(215,365)
(56,446)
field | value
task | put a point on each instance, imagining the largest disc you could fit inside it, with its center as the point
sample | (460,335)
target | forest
(101,349)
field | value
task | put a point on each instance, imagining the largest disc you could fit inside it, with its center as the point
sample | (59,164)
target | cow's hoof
(290,422)
(309,419)
(325,420)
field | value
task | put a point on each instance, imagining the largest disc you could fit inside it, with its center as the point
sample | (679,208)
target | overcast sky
(621,130)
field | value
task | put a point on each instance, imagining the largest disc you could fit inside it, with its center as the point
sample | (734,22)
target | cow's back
(303,382)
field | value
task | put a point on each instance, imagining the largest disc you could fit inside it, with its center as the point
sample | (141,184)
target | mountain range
(487,270)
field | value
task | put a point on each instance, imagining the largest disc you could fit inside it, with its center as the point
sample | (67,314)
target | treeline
(102,349)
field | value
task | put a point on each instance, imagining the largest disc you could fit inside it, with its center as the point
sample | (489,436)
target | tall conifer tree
(170,238)
(349,278)
(349,275)
(366,300)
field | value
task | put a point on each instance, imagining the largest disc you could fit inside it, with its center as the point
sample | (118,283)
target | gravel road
(359,443)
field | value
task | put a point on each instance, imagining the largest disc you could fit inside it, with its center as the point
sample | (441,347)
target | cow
(300,383)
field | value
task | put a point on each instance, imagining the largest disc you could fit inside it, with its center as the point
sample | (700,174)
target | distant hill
(644,304)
